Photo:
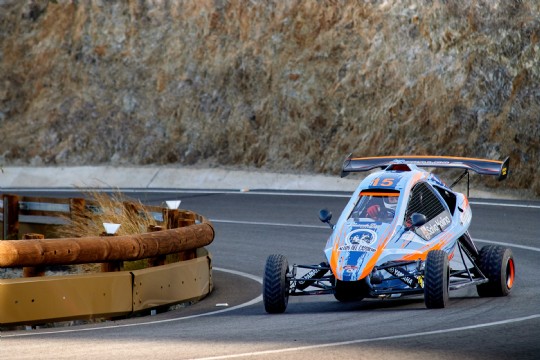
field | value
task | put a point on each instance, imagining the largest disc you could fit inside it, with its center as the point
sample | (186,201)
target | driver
(373,211)
(390,203)
(374,208)
(382,207)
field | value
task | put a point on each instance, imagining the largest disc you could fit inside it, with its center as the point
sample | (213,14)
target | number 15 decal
(387,182)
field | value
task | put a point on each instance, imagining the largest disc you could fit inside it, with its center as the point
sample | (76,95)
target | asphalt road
(249,227)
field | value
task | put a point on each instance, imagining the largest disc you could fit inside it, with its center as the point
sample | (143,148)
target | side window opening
(422,200)
(448,197)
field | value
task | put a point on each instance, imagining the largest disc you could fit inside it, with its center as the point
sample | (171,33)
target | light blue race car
(403,232)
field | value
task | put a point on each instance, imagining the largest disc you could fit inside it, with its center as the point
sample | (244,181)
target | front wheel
(276,284)
(497,264)
(436,279)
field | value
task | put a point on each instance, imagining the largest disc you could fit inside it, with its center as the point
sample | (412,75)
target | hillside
(275,85)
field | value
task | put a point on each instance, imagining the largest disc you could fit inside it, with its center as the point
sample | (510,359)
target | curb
(188,178)
(167,178)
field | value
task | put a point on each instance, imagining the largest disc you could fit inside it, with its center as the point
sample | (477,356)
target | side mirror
(418,219)
(325,216)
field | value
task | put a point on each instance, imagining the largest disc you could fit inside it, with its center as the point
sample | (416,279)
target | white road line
(308,193)
(315,193)
(524,247)
(260,223)
(509,245)
(117,326)
(384,338)
(239,222)
(504,204)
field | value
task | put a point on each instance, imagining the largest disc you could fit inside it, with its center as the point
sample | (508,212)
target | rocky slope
(278,85)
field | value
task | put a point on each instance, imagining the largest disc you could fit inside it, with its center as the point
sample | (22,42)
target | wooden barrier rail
(179,238)
(98,249)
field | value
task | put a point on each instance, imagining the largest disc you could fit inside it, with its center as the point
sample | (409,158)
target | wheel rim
(510,273)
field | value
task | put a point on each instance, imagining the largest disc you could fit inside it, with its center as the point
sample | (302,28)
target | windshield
(375,206)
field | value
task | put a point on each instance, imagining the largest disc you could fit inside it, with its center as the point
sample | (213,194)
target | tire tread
(492,263)
(436,280)
(275,284)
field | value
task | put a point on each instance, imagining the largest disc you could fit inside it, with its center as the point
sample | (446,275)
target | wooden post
(187,218)
(158,260)
(181,218)
(111,266)
(172,216)
(33,271)
(11,217)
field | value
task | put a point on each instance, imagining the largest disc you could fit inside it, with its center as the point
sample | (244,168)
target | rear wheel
(276,284)
(436,279)
(347,291)
(497,264)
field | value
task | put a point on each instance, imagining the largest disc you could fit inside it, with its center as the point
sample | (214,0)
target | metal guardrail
(38,206)
(65,208)
(39,300)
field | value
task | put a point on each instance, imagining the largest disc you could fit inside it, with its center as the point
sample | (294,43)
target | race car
(403,232)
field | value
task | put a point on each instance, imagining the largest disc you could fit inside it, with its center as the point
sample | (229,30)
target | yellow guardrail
(37,300)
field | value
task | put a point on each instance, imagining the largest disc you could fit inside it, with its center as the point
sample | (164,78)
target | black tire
(348,291)
(436,279)
(497,264)
(276,284)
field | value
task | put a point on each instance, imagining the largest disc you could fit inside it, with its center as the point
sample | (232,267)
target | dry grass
(109,208)
(280,85)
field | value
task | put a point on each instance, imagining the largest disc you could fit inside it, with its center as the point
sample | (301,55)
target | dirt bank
(277,85)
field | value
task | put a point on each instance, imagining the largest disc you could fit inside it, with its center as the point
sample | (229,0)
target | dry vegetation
(132,215)
(116,208)
(279,85)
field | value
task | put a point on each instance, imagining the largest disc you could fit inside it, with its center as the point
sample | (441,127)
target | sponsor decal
(435,226)
(311,276)
(429,162)
(350,268)
(359,240)
(403,275)
(356,248)
(365,226)
(361,236)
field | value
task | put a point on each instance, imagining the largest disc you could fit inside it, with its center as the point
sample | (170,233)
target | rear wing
(480,166)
